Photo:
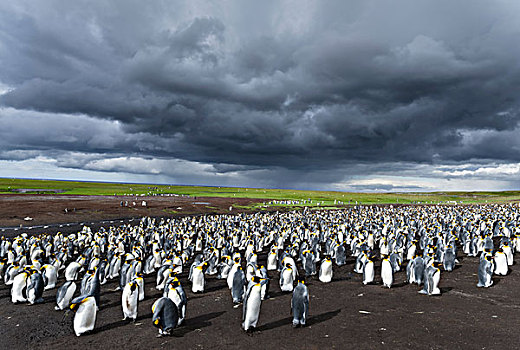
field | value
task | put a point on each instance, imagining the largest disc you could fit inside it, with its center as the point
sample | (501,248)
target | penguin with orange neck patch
(300,304)
(165,315)
(252,303)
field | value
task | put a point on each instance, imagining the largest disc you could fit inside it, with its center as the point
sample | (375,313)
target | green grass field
(309,198)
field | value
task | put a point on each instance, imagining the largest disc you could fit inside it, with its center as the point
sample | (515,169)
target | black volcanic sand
(463,317)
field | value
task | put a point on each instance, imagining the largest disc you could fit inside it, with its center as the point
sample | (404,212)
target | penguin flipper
(246,297)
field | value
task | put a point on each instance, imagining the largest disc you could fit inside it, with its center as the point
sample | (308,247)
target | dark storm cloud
(292,87)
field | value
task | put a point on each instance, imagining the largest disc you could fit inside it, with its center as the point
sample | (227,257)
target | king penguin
(50,276)
(485,272)
(232,272)
(35,286)
(300,304)
(19,288)
(368,271)
(130,300)
(387,273)
(432,276)
(86,312)
(287,279)
(326,270)
(178,296)
(165,315)
(450,259)
(64,295)
(501,265)
(252,304)
(197,278)
(272,259)
(239,285)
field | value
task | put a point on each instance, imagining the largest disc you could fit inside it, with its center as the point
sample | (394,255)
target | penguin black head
(300,280)
(175,283)
(256,279)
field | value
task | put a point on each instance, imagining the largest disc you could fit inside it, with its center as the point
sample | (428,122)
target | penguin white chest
(253,307)
(368,272)
(501,265)
(387,273)
(411,252)
(19,284)
(287,278)
(198,281)
(174,296)
(231,275)
(129,302)
(271,262)
(326,271)
(85,317)
(65,302)
(434,283)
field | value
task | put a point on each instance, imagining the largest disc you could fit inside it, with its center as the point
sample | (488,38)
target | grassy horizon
(325,198)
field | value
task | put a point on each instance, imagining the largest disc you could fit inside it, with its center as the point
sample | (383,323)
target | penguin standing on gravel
(368,271)
(326,270)
(300,304)
(239,285)
(86,312)
(35,286)
(485,272)
(72,271)
(165,316)
(252,303)
(64,295)
(415,270)
(130,300)
(19,288)
(50,276)
(449,259)
(178,296)
(287,278)
(501,266)
(197,278)
(387,272)
(231,274)
(432,276)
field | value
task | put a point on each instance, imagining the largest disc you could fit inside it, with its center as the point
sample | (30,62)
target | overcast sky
(338,95)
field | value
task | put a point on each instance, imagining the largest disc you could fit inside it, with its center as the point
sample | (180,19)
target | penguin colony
(422,240)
